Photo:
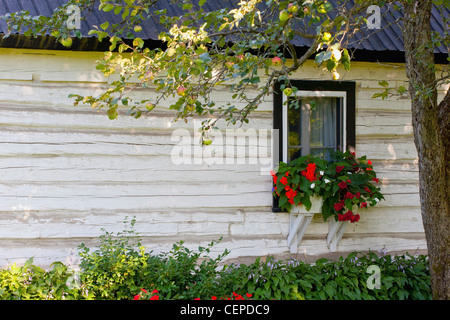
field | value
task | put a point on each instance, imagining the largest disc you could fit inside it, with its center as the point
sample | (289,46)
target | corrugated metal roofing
(388,38)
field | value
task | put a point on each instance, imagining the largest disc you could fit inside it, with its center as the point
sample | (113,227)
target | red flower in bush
(376,180)
(342,185)
(291,193)
(349,195)
(363,205)
(309,172)
(284,180)
(136,297)
(339,168)
(338,206)
(154,298)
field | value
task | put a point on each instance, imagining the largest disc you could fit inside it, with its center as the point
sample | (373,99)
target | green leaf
(306,202)
(112,113)
(345,59)
(138,42)
(117,9)
(384,83)
(104,25)
(108,7)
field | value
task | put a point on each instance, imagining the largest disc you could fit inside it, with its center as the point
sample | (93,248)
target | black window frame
(349,87)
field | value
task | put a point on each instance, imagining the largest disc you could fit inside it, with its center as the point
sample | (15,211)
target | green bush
(30,282)
(120,268)
(401,277)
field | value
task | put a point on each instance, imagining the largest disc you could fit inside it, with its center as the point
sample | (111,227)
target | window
(319,117)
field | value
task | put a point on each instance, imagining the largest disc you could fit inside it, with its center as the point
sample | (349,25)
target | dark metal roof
(387,40)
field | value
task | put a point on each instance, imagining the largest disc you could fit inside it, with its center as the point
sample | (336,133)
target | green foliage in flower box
(343,182)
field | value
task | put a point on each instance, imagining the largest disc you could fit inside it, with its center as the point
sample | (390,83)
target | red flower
(354,218)
(291,193)
(197,299)
(363,205)
(358,195)
(338,206)
(349,195)
(155,291)
(376,180)
(287,187)
(291,201)
(342,185)
(136,297)
(213,298)
(154,298)
(143,290)
(249,295)
(275,179)
(309,172)
(339,168)
(284,180)
(287,173)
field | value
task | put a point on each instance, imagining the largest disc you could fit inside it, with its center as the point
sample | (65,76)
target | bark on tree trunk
(431,125)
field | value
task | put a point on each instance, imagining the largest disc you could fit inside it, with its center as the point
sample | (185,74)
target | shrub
(402,277)
(32,282)
(121,269)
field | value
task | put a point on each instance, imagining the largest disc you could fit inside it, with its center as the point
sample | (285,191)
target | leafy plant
(185,274)
(115,269)
(121,269)
(30,282)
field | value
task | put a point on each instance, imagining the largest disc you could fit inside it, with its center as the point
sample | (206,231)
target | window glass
(314,126)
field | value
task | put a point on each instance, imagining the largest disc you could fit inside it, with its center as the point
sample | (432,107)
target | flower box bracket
(299,220)
(336,230)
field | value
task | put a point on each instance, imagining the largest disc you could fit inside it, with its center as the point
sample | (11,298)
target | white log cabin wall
(66,172)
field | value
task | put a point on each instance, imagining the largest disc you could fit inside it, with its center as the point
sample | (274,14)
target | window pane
(294,128)
(314,128)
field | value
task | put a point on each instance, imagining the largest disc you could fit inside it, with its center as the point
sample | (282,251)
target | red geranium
(349,195)
(338,206)
(309,172)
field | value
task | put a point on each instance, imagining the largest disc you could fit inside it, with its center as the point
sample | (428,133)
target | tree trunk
(431,126)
